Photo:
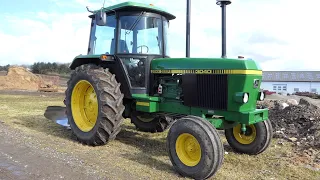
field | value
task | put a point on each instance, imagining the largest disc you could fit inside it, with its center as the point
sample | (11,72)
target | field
(30,142)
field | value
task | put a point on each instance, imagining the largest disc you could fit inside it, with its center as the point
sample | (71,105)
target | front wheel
(194,148)
(254,141)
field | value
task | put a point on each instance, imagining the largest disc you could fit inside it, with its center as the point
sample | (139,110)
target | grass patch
(142,154)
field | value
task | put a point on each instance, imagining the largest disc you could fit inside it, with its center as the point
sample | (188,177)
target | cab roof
(128,6)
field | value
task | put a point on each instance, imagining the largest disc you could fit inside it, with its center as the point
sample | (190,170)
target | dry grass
(142,154)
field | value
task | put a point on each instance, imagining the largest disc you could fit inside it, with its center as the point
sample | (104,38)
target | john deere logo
(256,83)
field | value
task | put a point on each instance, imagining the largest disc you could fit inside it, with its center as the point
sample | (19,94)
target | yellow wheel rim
(84,106)
(188,149)
(248,137)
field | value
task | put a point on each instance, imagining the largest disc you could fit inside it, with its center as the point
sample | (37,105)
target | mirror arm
(89,9)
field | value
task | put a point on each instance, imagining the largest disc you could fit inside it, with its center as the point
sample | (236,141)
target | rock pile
(296,122)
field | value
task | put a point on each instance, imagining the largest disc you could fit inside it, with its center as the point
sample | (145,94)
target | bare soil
(19,78)
(3,73)
(21,159)
(32,147)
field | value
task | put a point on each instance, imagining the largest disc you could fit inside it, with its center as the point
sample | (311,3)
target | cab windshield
(140,35)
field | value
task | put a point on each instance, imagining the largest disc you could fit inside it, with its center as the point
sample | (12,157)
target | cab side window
(104,37)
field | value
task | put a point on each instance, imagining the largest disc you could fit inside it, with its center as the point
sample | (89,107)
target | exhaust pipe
(223,4)
(188,29)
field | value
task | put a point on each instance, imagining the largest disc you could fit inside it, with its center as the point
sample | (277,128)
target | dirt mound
(18,78)
(3,73)
(297,123)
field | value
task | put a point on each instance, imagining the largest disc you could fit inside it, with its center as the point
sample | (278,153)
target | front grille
(206,91)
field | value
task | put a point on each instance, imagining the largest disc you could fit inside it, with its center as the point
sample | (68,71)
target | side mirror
(101,18)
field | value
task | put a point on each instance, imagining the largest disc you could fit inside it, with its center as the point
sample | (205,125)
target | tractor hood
(203,64)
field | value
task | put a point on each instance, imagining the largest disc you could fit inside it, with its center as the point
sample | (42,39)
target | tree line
(4,68)
(47,68)
(44,68)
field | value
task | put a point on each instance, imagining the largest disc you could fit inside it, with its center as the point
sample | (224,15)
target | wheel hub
(188,149)
(246,137)
(84,105)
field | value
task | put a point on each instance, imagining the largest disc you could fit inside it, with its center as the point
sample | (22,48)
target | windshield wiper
(135,23)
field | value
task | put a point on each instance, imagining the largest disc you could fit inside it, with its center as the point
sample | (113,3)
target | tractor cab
(134,34)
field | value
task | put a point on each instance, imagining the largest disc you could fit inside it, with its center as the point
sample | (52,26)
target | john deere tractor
(127,73)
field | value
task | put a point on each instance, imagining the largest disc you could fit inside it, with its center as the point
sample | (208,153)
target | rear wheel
(94,105)
(194,147)
(148,122)
(255,140)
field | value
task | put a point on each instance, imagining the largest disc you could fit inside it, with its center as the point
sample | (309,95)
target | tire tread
(115,107)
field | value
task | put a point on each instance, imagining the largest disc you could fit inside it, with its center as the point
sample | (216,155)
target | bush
(4,68)
(45,68)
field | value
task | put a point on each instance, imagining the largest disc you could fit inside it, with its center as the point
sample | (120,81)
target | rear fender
(90,59)
(112,63)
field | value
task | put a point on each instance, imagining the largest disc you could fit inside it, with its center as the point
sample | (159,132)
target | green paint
(171,90)
(153,102)
(153,107)
(174,107)
(242,83)
(249,117)
(238,97)
(133,6)
(217,123)
(228,119)
(220,123)
(145,97)
(203,63)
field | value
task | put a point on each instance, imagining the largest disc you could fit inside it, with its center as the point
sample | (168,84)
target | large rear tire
(94,105)
(195,148)
(256,139)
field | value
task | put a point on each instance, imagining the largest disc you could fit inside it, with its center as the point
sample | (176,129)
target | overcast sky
(278,34)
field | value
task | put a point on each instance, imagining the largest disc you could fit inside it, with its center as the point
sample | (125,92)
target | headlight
(241,97)
(245,98)
(262,96)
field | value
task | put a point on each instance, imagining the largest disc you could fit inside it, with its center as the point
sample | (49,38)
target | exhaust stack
(188,29)
(223,4)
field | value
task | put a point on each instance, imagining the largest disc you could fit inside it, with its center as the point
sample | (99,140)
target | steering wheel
(141,48)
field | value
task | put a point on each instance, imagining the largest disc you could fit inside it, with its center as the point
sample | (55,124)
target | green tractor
(127,73)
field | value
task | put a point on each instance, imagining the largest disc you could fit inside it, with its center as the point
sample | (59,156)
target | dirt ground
(32,147)
(3,73)
(19,78)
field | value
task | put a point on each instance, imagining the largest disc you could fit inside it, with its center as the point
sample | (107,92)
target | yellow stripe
(207,71)
(142,103)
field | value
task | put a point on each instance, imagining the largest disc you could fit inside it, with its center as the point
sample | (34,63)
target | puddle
(63,122)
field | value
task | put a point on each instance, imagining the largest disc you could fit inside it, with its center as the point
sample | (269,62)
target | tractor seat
(123,47)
